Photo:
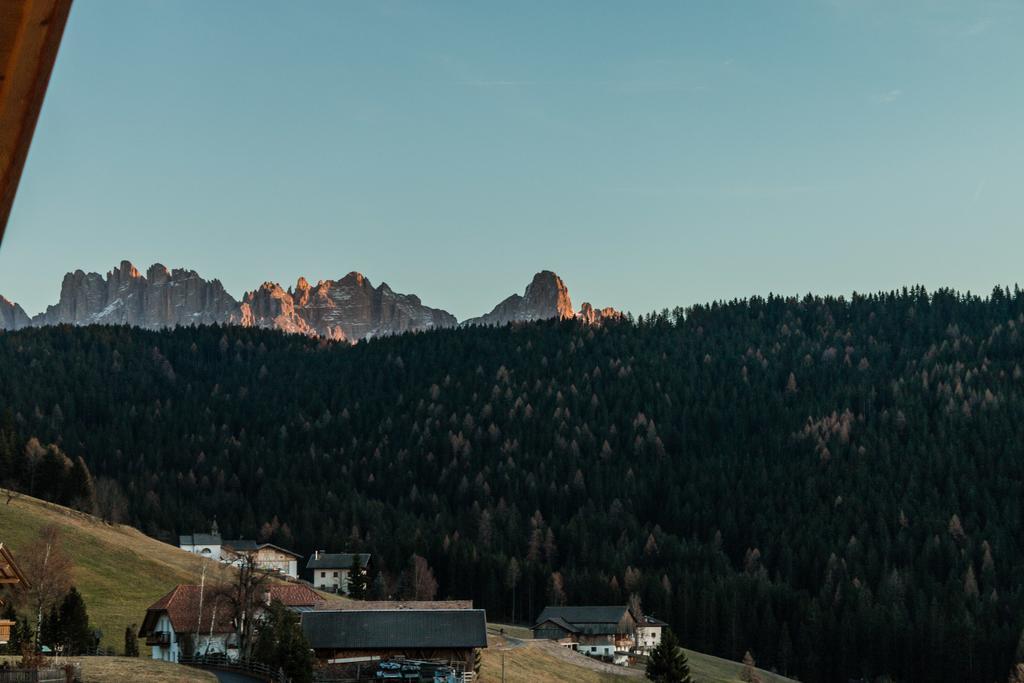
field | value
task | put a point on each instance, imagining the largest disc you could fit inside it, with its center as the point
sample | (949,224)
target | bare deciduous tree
(243,597)
(111,503)
(34,452)
(421,584)
(48,570)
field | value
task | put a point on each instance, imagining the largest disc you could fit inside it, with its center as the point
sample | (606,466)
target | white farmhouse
(333,571)
(648,633)
(176,626)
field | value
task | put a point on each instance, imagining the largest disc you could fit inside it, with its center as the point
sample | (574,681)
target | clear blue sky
(652,153)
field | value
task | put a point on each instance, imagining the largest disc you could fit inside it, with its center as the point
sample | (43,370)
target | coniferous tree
(281,644)
(895,569)
(131,641)
(749,674)
(72,625)
(668,663)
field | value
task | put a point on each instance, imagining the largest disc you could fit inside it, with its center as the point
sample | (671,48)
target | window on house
(335,574)
(323,575)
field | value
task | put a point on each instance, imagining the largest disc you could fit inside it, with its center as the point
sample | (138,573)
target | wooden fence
(69,673)
(247,666)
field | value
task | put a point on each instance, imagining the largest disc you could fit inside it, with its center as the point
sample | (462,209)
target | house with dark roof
(207,545)
(333,571)
(344,639)
(607,632)
(266,556)
(192,621)
(648,633)
(10,575)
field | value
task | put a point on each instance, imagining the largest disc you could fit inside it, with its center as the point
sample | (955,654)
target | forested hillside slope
(834,485)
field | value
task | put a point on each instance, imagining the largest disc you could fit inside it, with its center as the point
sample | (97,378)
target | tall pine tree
(668,663)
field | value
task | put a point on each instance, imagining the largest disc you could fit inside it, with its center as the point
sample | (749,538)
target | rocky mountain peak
(350,308)
(12,316)
(125,271)
(545,297)
(271,306)
(547,292)
(356,279)
(157,274)
(595,316)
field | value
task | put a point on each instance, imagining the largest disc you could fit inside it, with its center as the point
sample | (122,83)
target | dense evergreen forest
(833,484)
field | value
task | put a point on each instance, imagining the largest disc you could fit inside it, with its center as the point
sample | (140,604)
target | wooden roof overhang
(30,33)
(10,574)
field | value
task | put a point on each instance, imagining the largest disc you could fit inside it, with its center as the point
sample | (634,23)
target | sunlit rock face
(271,306)
(12,316)
(352,308)
(161,298)
(348,309)
(595,316)
(545,297)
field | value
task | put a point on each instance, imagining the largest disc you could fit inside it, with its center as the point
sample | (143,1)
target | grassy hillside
(141,670)
(529,661)
(137,670)
(709,669)
(119,570)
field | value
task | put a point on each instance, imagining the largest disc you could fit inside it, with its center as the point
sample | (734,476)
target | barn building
(607,632)
(364,637)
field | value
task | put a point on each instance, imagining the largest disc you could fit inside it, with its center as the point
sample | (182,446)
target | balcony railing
(161,638)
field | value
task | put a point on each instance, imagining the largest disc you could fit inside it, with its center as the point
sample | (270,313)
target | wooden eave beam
(30,34)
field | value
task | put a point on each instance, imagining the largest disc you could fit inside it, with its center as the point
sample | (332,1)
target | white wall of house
(648,637)
(268,559)
(600,650)
(211,551)
(166,653)
(218,644)
(331,579)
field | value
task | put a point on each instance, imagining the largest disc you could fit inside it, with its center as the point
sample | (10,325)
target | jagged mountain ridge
(161,298)
(348,309)
(12,316)
(545,297)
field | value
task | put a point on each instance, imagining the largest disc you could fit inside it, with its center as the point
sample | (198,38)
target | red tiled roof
(182,606)
(295,595)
